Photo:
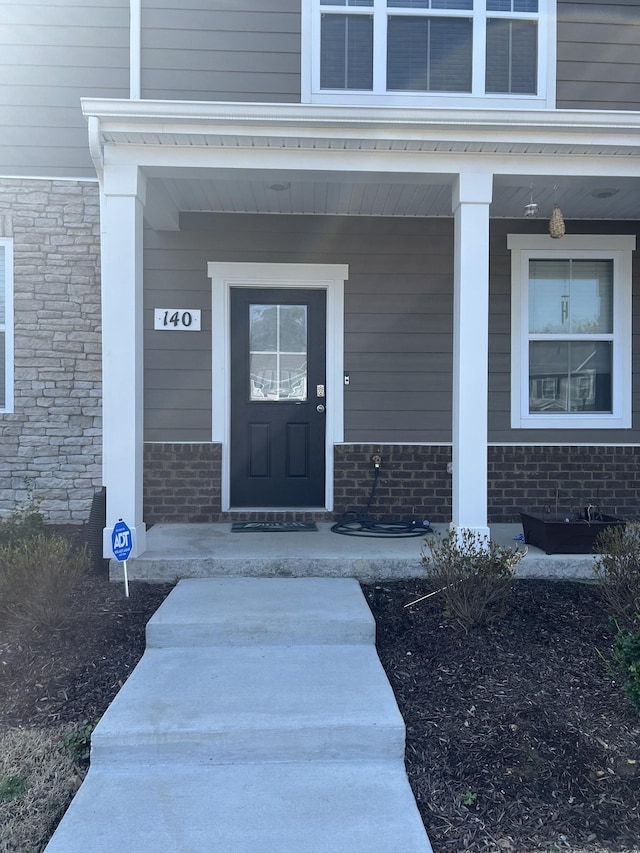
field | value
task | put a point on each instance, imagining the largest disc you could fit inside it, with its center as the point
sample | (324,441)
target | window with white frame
(453,51)
(6,325)
(571,331)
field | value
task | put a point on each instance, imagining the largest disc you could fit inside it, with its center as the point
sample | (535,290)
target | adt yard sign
(121,541)
(121,545)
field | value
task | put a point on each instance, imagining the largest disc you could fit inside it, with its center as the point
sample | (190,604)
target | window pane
(429,54)
(512,5)
(2,287)
(278,352)
(512,49)
(293,328)
(571,297)
(346,52)
(346,2)
(570,376)
(3,390)
(430,4)
(263,328)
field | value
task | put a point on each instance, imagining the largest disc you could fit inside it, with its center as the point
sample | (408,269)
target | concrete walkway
(259,720)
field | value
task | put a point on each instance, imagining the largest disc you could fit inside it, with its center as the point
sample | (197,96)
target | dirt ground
(518,737)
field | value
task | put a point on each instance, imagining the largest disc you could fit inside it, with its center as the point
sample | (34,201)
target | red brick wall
(529,477)
(413,482)
(183,482)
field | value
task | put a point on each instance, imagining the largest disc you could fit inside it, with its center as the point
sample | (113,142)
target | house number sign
(177,319)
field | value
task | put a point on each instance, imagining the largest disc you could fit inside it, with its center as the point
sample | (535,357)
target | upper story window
(6,325)
(571,332)
(445,53)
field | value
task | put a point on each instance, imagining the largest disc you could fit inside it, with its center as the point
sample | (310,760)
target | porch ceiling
(588,197)
(266,158)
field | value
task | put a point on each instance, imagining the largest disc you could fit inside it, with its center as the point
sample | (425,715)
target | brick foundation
(529,477)
(183,481)
(413,482)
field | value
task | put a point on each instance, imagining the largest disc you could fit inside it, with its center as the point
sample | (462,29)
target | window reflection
(278,352)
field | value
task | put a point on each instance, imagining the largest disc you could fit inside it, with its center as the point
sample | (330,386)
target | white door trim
(328,277)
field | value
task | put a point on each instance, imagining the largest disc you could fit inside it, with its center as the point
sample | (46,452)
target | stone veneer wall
(182,482)
(53,438)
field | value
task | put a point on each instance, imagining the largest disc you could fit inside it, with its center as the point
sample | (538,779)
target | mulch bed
(518,737)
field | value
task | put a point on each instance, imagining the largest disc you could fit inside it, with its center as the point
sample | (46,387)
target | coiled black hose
(362,524)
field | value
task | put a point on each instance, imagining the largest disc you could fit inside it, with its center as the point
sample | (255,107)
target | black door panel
(277,366)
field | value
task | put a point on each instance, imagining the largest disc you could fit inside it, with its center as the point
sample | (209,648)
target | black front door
(278,397)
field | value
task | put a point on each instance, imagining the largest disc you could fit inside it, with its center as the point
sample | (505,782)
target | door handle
(320,408)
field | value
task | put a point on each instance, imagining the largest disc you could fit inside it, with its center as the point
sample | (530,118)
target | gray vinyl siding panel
(598,55)
(221,50)
(400,387)
(398,321)
(51,55)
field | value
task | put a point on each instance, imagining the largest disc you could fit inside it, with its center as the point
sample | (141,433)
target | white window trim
(547,50)
(618,248)
(7,243)
(328,277)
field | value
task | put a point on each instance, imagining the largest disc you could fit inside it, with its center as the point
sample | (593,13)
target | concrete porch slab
(212,550)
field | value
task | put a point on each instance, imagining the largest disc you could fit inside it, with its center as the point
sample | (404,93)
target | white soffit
(227,157)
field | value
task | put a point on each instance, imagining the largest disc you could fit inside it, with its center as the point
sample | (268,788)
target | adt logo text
(121,540)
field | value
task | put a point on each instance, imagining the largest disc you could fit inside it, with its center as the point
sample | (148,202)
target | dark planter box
(554,535)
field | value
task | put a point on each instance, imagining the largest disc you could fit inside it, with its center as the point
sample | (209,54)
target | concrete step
(242,611)
(252,808)
(253,703)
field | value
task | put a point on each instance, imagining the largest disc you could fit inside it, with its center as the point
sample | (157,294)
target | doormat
(272,526)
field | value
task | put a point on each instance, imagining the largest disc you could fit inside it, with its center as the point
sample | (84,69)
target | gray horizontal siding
(398,321)
(51,55)
(400,274)
(598,54)
(246,50)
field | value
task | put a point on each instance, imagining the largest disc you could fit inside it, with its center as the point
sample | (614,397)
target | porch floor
(177,551)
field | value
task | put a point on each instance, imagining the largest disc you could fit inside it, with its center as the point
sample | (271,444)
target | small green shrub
(76,741)
(618,570)
(37,577)
(24,523)
(627,660)
(473,574)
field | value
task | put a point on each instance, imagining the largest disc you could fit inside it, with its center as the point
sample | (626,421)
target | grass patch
(37,782)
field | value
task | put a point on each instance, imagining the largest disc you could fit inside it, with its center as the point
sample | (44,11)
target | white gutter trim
(206,112)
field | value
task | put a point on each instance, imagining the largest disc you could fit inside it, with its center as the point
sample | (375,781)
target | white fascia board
(205,112)
(289,159)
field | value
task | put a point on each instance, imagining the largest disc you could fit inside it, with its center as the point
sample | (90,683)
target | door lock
(319,390)
(320,408)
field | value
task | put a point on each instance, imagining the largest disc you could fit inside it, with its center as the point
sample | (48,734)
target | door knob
(320,408)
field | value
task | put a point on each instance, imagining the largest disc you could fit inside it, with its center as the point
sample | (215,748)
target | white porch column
(122,204)
(471,198)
